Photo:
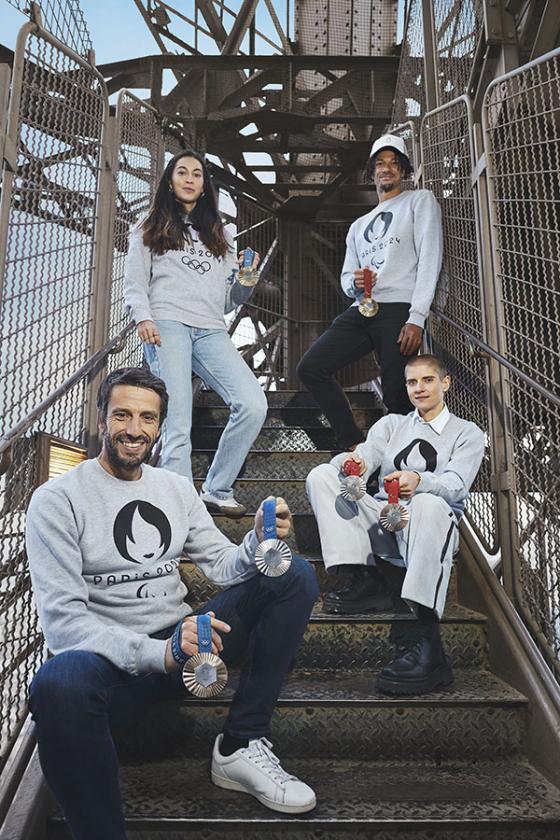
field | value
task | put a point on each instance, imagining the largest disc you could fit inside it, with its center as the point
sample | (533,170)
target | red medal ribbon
(368,282)
(350,467)
(392,489)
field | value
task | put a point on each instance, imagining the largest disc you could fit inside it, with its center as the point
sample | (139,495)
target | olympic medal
(368,307)
(247,276)
(205,675)
(273,557)
(352,488)
(393,516)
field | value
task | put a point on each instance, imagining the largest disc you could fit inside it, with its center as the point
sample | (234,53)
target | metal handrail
(114,345)
(489,351)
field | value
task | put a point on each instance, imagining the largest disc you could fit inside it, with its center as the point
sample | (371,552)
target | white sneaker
(230,507)
(256,770)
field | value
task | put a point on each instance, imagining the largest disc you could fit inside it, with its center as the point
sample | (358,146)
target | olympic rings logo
(195,265)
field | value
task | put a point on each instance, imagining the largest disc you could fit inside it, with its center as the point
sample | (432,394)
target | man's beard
(129,463)
(387,186)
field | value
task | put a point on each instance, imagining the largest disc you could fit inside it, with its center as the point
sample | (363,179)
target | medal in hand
(368,306)
(352,486)
(204,674)
(272,557)
(393,516)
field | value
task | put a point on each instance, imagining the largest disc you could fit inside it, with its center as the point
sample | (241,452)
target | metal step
(251,492)
(294,439)
(385,800)
(283,464)
(201,589)
(293,399)
(478,717)
(304,539)
(286,416)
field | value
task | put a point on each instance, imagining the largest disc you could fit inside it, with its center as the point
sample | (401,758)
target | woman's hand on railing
(148,332)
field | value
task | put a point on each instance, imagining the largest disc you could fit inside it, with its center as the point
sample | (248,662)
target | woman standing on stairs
(180,277)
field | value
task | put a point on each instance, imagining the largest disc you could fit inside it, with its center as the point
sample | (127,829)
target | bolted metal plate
(319,715)
(349,792)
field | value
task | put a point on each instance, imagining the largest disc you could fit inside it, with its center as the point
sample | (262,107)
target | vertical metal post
(498,401)
(290,243)
(430,56)
(100,304)
(5,76)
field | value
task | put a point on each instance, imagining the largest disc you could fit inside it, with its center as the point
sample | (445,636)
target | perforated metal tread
(346,688)
(294,399)
(350,794)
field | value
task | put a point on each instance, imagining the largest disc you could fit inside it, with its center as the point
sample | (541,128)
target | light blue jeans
(210,354)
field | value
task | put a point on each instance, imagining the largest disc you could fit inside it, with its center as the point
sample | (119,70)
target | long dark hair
(164,228)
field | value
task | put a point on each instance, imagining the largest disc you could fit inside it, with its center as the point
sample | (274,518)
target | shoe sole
(229,784)
(370,605)
(441,677)
(234,513)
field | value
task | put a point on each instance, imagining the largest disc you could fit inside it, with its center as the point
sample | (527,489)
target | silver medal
(273,557)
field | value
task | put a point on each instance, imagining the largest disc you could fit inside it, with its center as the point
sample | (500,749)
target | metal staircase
(451,764)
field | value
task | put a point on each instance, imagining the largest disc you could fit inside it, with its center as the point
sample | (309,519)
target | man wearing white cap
(400,241)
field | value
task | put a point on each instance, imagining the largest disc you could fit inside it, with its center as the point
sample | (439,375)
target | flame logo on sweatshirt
(141,532)
(378,227)
(423,459)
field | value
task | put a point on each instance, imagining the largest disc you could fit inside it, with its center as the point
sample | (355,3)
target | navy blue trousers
(77,696)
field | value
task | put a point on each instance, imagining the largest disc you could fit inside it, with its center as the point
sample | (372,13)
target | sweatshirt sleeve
(351,263)
(374,446)
(221,561)
(55,563)
(137,274)
(454,483)
(236,294)
(428,241)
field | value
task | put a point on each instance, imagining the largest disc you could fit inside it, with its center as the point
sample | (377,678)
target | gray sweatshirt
(401,239)
(447,453)
(191,286)
(104,556)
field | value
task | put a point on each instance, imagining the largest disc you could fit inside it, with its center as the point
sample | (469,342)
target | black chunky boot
(366,592)
(421,664)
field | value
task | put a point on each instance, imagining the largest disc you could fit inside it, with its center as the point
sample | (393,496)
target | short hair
(139,378)
(429,359)
(404,163)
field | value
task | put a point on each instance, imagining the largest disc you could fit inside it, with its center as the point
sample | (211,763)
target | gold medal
(368,306)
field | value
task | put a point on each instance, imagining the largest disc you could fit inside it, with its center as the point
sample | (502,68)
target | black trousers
(350,337)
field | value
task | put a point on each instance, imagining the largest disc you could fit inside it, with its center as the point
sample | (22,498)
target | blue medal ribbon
(269,519)
(248,257)
(204,632)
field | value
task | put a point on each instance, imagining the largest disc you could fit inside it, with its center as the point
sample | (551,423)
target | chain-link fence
(63,18)
(48,242)
(522,141)
(447,164)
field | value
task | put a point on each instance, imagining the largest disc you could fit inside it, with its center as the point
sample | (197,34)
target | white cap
(389,141)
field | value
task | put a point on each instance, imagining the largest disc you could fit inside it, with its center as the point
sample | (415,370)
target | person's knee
(63,686)
(307,369)
(321,476)
(305,579)
(428,505)
(252,409)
